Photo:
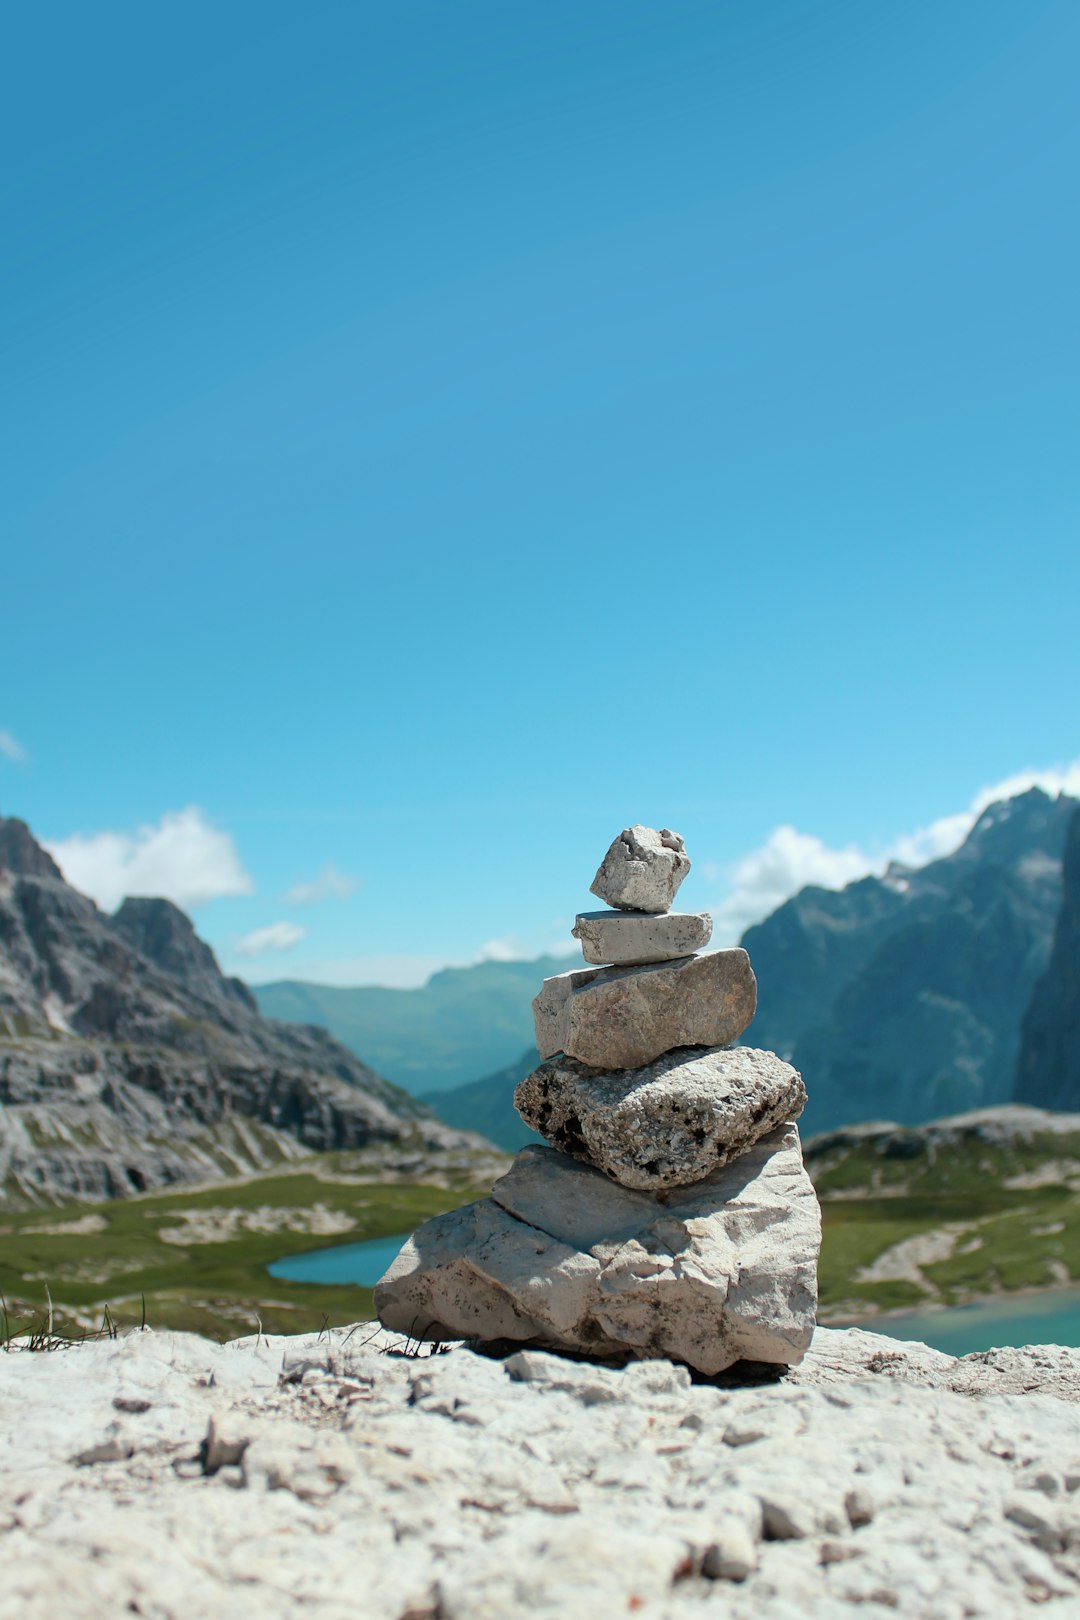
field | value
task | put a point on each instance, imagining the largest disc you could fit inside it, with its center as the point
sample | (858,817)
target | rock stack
(671,1215)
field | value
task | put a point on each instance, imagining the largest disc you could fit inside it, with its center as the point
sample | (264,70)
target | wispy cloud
(516,948)
(788,860)
(279,936)
(391,972)
(11,748)
(183,858)
(785,863)
(331,884)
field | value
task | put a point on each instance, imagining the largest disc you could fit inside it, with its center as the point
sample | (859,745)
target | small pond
(361,1264)
(1052,1317)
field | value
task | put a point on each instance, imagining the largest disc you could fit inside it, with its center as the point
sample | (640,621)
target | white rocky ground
(164,1476)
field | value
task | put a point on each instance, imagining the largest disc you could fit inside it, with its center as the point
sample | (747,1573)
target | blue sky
(438,436)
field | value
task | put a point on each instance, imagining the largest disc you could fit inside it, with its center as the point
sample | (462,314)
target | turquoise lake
(361,1264)
(1048,1318)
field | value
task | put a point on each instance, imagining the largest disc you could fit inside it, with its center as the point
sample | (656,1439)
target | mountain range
(463,1023)
(902,997)
(129,1061)
(898,997)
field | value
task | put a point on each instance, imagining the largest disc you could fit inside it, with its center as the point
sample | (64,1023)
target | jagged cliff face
(128,1060)
(1048,1068)
(902,997)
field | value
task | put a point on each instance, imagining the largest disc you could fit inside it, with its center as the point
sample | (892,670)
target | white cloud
(390,972)
(949,832)
(11,748)
(789,860)
(279,936)
(785,863)
(331,884)
(182,858)
(515,948)
(507,949)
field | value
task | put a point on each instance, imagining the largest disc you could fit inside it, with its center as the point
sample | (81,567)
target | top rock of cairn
(642,870)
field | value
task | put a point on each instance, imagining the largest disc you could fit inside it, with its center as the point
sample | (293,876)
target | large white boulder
(722,1271)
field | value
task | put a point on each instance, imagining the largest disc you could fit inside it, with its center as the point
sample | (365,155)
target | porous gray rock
(642,870)
(668,1124)
(626,938)
(624,1017)
(561,1256)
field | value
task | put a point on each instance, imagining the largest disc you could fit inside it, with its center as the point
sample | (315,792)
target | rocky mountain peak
(903,995)
(21,854)
(1011,830)
(127,1059)
(164,935)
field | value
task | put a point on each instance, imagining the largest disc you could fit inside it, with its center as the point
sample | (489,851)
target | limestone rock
(624,1017)
(560,1256)
(642,870)
(476,1488)
(624,938)
(665,1125)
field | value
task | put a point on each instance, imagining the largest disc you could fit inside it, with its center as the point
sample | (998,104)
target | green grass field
(1013,1209)
(146,1253)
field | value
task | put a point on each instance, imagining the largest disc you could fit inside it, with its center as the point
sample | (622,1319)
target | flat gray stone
(630,939)
(560,1256)
(642,870)
(666,1125)
(625,1017)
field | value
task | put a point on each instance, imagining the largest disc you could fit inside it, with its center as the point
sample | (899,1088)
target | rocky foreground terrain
(334,1475)
(128,1061)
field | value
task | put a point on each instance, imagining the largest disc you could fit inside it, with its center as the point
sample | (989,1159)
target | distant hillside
(487,1105)
(463,1023)
(128,1061)
(902,997)
(942,1213)
(1048,1068)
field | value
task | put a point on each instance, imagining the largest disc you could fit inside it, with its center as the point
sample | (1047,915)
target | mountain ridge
(904,995)
(1048,1063)
(900,994)
(129,1061)
(462,1023)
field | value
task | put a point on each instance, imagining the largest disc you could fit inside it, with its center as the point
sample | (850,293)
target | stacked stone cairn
(671,1214)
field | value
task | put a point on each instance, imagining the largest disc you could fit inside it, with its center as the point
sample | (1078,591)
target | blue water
(1049,1318)
(359,1263)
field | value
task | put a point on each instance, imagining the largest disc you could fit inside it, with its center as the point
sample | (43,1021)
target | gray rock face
(1048,1068)
(560,1256)
(642,870)
(666,1125)
(628,939)
(128,1061)
(623,1018)
(902,997)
